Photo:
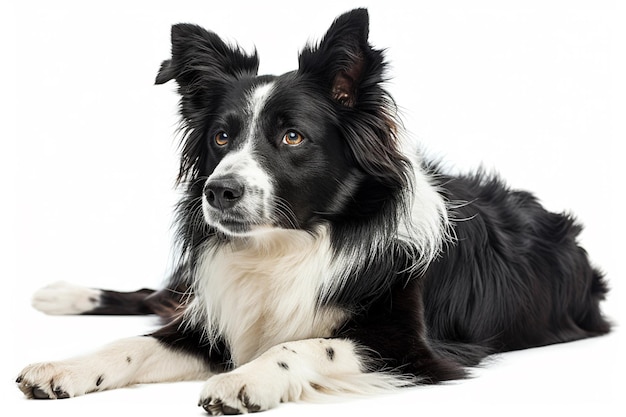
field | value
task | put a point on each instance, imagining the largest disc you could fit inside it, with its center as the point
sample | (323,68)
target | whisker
(283,211)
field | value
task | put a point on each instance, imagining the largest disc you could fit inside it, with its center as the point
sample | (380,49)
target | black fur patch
(290,350)
(330,353)
(192,340)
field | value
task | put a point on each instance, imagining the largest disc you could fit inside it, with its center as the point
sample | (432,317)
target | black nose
(223,193)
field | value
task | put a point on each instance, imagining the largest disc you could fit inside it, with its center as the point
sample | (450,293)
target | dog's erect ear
(353,75)
(200,54)
(344,60)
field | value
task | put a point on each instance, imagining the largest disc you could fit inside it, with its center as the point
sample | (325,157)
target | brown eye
(221,139)
(292,138)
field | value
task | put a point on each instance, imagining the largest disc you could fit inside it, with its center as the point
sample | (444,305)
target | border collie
(319,253)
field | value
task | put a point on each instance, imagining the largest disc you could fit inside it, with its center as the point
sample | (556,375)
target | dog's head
(287,151)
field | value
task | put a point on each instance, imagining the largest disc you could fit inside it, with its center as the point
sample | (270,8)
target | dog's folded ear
(198,54)
(202,65)
(344,60)
(166,72)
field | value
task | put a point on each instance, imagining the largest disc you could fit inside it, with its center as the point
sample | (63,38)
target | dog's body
(319,253)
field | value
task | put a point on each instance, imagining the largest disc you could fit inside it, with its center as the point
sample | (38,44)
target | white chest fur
(263,290)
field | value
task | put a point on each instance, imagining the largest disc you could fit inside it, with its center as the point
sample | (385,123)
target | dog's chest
(262,293)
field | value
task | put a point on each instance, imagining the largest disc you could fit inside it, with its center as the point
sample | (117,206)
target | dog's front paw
(238,393)
(49,381)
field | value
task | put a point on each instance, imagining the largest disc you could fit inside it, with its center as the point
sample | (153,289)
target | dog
(319,253)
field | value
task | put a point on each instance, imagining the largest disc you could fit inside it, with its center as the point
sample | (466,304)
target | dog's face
(273,158)
(282,152)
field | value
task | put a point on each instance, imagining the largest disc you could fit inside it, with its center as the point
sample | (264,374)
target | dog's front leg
(293,371)
(120,364)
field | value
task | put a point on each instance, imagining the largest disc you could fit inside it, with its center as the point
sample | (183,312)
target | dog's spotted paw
(53,381)
(238,393)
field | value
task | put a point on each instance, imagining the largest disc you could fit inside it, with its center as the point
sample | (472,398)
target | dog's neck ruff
(262,290)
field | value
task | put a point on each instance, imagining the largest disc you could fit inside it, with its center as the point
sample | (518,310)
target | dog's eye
(292,138)
(221,139)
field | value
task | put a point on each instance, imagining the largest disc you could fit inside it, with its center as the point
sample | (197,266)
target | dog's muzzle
(235,204)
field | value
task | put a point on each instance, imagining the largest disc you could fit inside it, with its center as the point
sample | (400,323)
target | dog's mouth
(240,220)
(229,222)
(233,227)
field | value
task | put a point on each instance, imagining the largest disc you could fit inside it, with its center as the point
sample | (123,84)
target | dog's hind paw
(62,298)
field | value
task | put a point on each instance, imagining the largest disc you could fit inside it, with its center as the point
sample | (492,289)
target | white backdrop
(88,162)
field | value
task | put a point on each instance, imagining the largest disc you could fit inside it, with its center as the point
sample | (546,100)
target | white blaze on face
(255,207)
(257,100)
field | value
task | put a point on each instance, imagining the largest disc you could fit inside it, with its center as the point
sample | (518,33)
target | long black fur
(513,277)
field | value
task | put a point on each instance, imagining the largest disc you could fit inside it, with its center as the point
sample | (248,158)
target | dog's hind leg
(126,362)
(62,298)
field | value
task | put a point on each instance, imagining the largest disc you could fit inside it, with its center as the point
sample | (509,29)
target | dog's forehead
(246,96)
(260,90)
(257,96)
(266,103)
(286,96)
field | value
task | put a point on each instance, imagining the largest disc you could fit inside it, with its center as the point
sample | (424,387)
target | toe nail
(230,411)
(60,394)
(40,394)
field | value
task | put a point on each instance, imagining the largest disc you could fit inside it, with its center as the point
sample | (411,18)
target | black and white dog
(319,253)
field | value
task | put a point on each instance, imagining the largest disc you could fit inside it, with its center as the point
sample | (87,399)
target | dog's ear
(344,61)
(202,64)
(199,54)
(352,73)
